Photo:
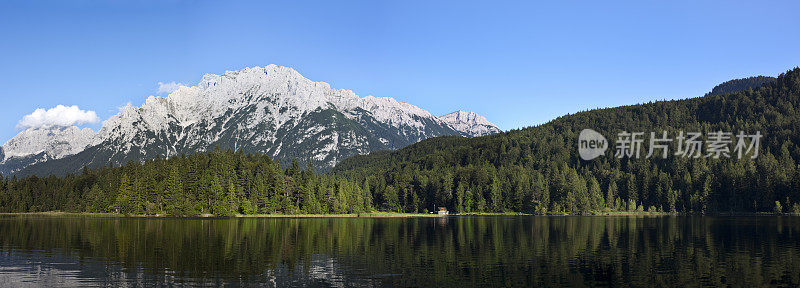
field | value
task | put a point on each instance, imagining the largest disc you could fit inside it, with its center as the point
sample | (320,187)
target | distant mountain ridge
(470,123)
(271,110)
(58,142)
(738,85)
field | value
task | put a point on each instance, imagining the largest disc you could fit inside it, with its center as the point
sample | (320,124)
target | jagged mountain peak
(470,123)
(280,89)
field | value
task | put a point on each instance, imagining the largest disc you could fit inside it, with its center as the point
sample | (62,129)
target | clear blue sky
(518,64)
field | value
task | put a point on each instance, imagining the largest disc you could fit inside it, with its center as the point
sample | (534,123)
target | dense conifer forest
(222,183)
(538,169)
(532,170)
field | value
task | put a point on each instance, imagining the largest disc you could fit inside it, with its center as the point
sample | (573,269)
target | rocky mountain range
(272,110)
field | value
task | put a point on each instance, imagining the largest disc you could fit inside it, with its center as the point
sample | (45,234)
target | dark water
(422,252)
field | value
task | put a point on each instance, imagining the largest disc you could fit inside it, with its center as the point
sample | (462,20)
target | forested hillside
(538,169)
(532,170)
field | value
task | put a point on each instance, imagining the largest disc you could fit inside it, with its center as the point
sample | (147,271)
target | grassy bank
(392,214)
(363,215)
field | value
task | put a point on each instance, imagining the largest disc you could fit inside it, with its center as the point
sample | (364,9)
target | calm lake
(465,251)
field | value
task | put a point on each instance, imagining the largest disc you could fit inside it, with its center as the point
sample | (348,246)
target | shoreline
(391,215)
(210,216)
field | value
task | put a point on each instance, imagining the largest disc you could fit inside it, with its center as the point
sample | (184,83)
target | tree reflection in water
(363,252)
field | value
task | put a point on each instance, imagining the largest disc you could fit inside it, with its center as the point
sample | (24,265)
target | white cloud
(59,116)
(166,88)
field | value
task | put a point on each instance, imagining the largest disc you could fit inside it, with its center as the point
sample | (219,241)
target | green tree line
(222,183)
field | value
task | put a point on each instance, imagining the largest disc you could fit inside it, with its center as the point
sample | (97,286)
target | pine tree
(357,199)
(445,194)
(340,204)
(595,195)
(497,200)
(390,196)
(96,199)
(414,204)
(633,195)
(480,203)
(125,203)
(220,207)
(277,192)
(672,197)
(231,200)
(310,203)
(367,196)
(174,200)
(611,195)
(460,194)
(576,199)
(468,201)
(261,200)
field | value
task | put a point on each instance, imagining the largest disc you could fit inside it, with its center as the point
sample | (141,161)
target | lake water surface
(472,251)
